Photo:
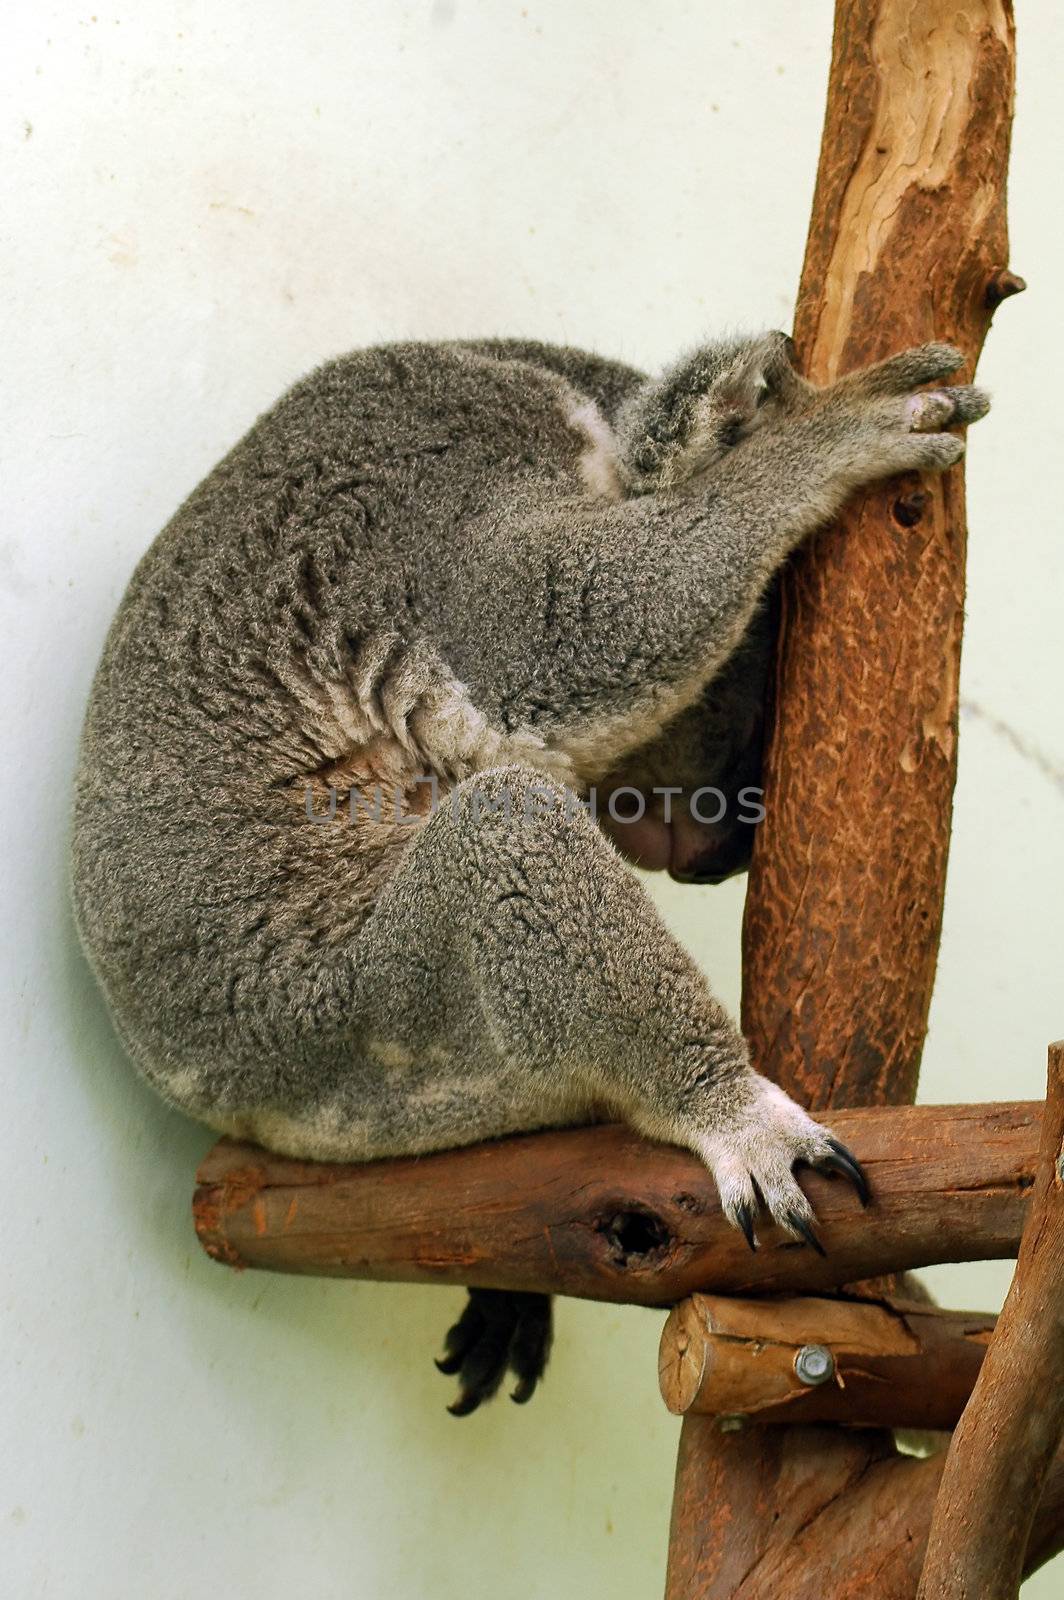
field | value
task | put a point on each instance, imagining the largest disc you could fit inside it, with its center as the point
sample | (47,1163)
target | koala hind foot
(752,1140)
(499,1329)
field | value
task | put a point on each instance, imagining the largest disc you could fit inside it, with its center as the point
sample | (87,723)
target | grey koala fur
(524,571)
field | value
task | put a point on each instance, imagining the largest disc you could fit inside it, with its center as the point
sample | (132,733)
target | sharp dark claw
(450,1364)
(800,1225)
(524,1392)
(744,1216)
(846,1163)
(465,1405)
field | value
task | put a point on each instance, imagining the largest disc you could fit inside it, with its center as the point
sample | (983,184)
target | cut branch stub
(868,1363)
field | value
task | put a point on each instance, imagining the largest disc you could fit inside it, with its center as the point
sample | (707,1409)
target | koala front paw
(759,1139)
(922,363)
(894,429)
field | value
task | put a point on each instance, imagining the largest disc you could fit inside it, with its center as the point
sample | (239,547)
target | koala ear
(722,416)
(756,373)
(760,372)
(739,392)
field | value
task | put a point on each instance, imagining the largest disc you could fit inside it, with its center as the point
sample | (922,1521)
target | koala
(336,860)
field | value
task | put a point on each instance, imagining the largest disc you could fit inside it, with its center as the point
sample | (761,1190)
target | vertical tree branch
(908,233)
(1011,1428)
(907,242)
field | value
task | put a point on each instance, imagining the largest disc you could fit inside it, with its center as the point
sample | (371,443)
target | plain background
(203,200)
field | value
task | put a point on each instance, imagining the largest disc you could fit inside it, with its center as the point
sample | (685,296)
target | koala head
(711,753)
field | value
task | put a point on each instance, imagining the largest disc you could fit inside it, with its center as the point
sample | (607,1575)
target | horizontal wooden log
(602,1214)
(866,1363)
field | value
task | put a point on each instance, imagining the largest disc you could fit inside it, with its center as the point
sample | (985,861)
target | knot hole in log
(635,1237)
(908,509)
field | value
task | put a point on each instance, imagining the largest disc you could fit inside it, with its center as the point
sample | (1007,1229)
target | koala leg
(514,955)
(550,988)
(527,977)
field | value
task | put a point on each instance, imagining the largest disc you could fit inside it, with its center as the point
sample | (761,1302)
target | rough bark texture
(892,1364)
(907,242)
(813,1514)
(602,1214)
(1012,1427)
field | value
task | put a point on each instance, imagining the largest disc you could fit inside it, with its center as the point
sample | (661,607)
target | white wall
(202,201)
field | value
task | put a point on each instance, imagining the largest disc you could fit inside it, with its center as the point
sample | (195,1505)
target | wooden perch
(907,242)
(1012,1427)
(604,1215)
(814,1360)
(851,1526)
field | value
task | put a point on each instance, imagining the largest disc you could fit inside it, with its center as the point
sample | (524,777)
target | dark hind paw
(498,1329)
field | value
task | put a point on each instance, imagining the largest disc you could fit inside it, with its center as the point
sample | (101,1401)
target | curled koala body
(444,591)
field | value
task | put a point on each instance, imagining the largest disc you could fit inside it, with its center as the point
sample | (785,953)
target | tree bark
(907,242)
(881,1364)
(604,1215)
(1012,1427)
(814,1514)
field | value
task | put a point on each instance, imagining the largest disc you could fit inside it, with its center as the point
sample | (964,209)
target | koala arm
(568,614)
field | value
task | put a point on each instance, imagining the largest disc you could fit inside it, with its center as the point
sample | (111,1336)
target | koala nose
(695,861)
(703,872)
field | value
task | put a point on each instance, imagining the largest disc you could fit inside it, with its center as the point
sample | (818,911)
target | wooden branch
(809,1513)
(1014,1422)
(865,1363)
(907,243)
(604,1215)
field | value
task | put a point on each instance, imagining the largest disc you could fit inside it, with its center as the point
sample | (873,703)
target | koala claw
(744,1219)
(845,1163)
(801,1226)
(498,1329)
(754,1151)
